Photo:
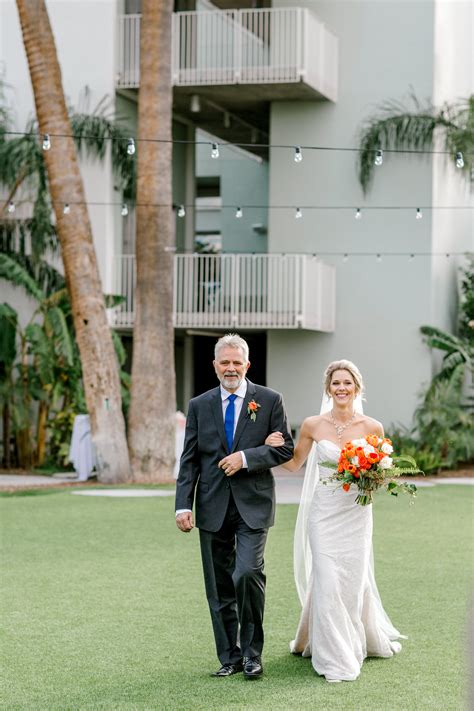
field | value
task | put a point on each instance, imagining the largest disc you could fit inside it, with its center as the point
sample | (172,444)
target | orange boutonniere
(252,408)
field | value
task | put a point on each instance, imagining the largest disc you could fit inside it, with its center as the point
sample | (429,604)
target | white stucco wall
(386,50)
(85,41)
(453,80)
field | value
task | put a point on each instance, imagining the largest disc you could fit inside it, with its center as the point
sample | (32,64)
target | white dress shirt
(241,392)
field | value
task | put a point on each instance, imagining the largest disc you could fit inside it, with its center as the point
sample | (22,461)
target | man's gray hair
(232,340)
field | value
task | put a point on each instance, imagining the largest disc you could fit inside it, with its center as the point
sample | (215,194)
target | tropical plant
(49,372)
(466,317)
(152,429)
(397,126)
(61,170)
(8,353)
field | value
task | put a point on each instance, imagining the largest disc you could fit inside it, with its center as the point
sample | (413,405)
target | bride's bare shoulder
(310,425)
(373,426)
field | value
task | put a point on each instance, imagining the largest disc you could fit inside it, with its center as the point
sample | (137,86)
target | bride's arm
(302,449)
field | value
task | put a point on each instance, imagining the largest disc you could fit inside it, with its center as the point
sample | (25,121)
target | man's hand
(185,521)
(231,464)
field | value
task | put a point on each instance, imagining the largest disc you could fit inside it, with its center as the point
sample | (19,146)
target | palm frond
(93,134)
(64,346)
(13,272)
(399,127)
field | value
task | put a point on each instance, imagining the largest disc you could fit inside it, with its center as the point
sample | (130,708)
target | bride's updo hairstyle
(344,365)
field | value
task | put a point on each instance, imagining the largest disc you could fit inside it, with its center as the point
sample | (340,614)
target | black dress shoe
(228,669)
(252,667)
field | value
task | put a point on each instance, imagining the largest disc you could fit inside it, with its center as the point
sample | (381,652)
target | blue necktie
(229,420)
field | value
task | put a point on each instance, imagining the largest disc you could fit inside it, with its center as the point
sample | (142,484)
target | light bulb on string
(298,214)
(131,147)
(66,208)
(378,158)
(46,142)
(419,214)
(124,210)
(238,213)
(411,257)
(358,214)
(459,160)
(181,211)
(11,207)
(379,258)
(298,154)
(345,258)
(215,150)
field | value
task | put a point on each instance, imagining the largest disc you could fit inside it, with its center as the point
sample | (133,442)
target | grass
(103,607)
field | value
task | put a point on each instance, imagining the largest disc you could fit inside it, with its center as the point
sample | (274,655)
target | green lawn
(103,607)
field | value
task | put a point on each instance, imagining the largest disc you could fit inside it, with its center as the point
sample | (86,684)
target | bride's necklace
(340,428)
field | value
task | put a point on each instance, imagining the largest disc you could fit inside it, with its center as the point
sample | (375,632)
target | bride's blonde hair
(344,365)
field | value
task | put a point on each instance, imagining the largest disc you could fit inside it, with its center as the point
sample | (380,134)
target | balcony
(240,291)
(238,61)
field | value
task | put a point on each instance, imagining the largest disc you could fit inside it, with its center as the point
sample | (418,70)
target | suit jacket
(205,445)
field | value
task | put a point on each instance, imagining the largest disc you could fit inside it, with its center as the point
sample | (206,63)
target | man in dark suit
(225,467)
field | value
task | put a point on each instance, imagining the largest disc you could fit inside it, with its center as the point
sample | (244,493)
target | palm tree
(153,397)
(398,127)
(99,362)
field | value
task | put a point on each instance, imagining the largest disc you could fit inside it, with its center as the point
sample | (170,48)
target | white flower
(368,449)
(386,448)
(386,463)
(359,442)
(355,461)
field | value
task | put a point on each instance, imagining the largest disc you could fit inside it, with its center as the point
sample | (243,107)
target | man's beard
(233,383)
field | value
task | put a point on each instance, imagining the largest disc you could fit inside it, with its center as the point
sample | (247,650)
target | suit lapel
(216,407)
(243,417)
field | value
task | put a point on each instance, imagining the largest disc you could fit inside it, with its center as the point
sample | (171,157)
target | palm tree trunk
(99,363)
(153,393)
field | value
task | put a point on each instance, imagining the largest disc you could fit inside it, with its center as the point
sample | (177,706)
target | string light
(298,154)
(378,158)
(66,208)
(124,210)
(379,258)
(263,206)
(11,207)
(181,211)
(46,142)
(459,160)
(419,214)
(215,151)
(131,147)
(358,214)
(238,213)
(345,258)
(298,214)
(411,257)
(350,149)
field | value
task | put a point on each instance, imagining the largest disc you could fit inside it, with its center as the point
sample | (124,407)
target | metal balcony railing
(251,291)
(260,46)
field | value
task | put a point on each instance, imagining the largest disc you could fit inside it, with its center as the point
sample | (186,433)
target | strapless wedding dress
(343,620)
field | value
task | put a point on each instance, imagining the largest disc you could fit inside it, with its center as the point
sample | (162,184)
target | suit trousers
(233,565)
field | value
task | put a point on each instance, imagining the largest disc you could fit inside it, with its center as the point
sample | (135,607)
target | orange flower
(373,440)
(340,468)
(350,452)
(351,469)
(373,457)
(362,460)
(252,408)
(356,474)
(346,487)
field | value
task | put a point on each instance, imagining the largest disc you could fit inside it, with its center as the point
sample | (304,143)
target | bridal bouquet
(367,462)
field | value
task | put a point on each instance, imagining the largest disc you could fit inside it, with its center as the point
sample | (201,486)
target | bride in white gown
(342,620)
